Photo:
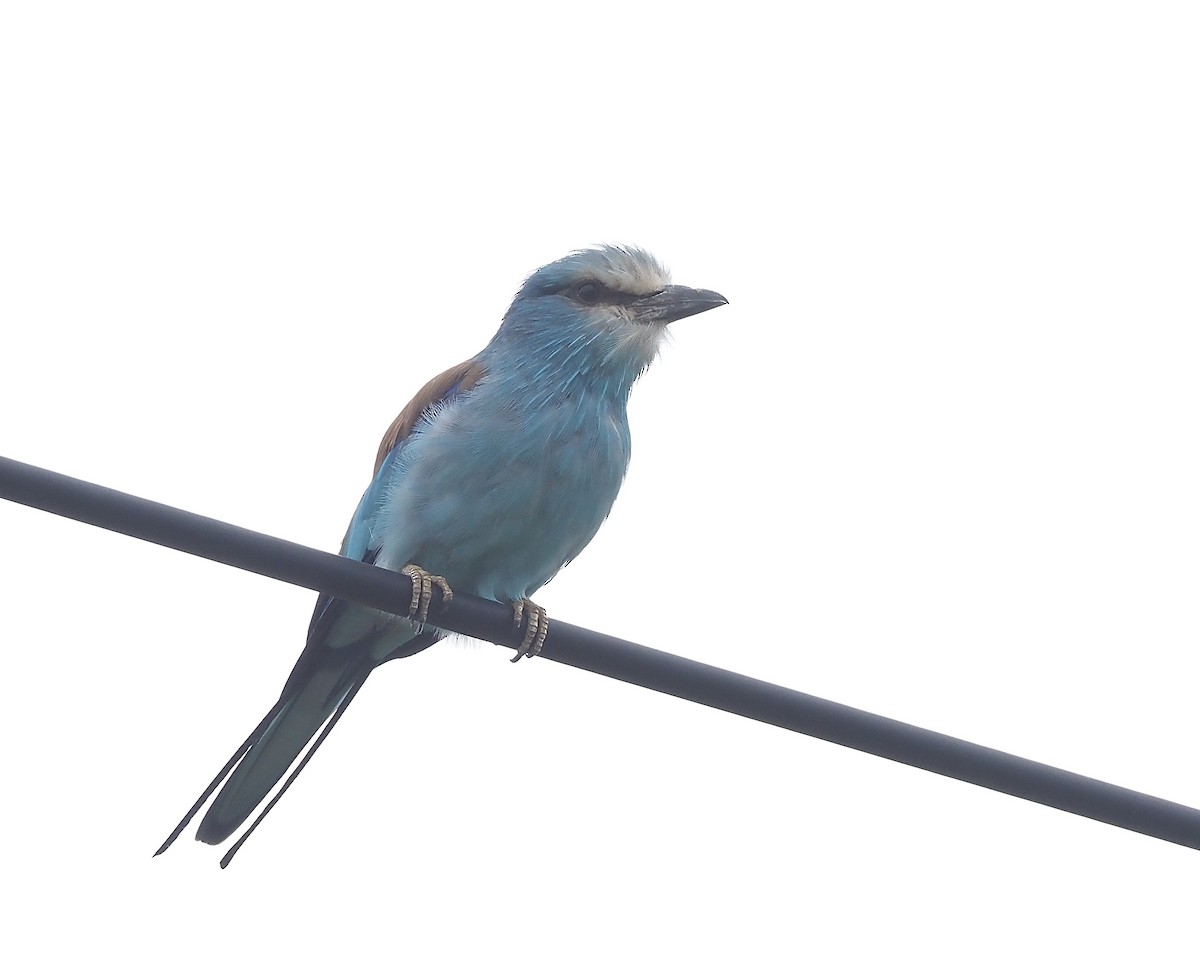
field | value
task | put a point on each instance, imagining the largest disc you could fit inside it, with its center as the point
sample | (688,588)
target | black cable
(605,655)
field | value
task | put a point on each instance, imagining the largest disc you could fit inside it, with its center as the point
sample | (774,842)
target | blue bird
(497,473)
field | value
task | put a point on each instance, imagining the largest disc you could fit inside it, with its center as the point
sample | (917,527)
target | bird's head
(606,307)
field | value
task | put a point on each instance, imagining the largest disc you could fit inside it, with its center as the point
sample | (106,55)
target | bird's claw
(422,591)
(537,624)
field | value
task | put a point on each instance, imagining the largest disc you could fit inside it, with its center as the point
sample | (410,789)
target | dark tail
(263,759)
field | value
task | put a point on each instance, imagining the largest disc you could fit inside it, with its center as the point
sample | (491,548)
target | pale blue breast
(497,495)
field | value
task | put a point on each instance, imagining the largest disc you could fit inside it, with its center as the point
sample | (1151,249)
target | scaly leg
(422,591)
(537,624)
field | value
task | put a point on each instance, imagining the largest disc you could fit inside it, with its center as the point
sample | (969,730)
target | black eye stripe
(590,292)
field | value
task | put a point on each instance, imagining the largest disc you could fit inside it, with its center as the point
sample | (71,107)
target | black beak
(676,302)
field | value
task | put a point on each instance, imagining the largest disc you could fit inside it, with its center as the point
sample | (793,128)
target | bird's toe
(537,624)
(422,591)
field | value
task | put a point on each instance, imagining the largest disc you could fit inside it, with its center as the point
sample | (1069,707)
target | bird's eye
(588,293)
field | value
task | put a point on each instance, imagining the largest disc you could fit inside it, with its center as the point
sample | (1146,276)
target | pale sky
(946,428)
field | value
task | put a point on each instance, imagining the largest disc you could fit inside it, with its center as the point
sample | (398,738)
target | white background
(941,446)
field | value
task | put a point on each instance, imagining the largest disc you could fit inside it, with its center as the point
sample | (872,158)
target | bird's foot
(537,624)
(422,591)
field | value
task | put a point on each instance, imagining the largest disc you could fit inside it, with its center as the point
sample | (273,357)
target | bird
(494,476)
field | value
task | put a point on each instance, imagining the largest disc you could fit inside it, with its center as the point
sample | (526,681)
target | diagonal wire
(603,654)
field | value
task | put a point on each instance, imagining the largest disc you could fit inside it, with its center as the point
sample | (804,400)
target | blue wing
(359,541)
